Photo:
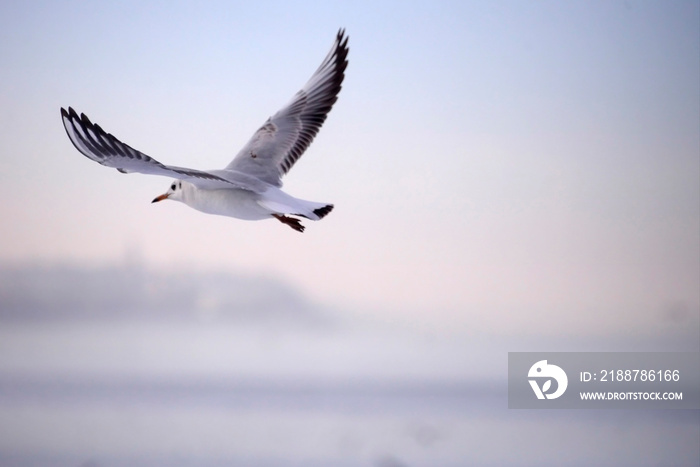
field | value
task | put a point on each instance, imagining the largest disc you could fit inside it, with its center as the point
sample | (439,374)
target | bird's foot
(290,221)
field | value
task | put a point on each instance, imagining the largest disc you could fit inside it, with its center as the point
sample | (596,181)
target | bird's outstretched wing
(284,137)
(103,148)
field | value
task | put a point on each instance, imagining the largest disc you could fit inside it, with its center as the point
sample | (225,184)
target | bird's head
(175,192)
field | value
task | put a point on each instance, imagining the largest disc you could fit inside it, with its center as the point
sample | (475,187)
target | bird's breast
(241,204)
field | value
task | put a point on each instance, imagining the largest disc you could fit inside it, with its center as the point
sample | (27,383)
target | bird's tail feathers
(298,207)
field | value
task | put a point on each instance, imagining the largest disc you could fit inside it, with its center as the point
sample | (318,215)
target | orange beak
(160,198)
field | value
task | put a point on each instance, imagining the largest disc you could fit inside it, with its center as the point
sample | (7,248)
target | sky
(497,168)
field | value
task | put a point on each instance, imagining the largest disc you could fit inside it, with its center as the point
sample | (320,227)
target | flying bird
(249,187)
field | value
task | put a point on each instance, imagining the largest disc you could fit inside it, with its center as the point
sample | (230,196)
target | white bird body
(242,204)
(248,188)
(234,202)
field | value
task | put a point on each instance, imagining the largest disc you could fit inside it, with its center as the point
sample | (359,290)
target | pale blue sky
(497,167)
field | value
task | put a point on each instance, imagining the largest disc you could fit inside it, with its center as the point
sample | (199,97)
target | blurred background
(507,176)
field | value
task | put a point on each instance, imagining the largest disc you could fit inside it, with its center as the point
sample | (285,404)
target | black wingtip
(323,212)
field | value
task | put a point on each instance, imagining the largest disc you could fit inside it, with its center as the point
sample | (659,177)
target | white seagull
(249,187)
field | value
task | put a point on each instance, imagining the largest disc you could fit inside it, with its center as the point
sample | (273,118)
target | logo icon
(545,372)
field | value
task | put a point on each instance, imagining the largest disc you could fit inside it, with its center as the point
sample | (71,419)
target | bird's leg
(290,221)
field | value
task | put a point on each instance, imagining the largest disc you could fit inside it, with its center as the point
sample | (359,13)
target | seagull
(249,187)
